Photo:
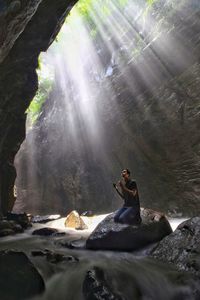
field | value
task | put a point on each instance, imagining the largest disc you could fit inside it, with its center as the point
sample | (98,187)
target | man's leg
(118,214)
(129,217)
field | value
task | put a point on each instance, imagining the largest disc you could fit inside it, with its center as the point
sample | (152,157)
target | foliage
(149,6)
(45,87)
(150,2)
(84,6)
(84,10)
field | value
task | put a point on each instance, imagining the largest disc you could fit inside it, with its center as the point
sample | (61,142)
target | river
(127,275)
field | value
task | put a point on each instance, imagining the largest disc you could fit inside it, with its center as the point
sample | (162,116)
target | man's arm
(125,189)
(115,186)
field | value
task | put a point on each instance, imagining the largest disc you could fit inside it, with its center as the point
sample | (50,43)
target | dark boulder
(96,287)
(9,228)
(19,278)
(21,219)
(182,247)
(109,235)
(6,232)
(54,257)
(47,232)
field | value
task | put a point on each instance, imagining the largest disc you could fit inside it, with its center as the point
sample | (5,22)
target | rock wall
(160,134)
(27,28)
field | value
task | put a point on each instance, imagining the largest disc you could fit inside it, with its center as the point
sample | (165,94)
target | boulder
(6,231)
(21,219)
(4,224)
(73,220)
(54,257)
(46,231)
(44,219)
(182,247)
(19,278)
(96,287)
(9,228)
(109,235)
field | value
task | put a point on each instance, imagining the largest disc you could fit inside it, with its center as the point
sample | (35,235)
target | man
(130,212)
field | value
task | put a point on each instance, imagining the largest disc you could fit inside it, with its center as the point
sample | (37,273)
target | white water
(71,233)
(126,273)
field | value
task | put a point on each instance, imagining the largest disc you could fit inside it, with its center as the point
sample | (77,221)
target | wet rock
(19,278)
(44,219)
(182,247)
(17,228)
(22,219)
(38,253)
(57,257)
(65,244)
(6,231)
(73,220)
(9,228)
(47,232)
(4,224)
(109,235)
(11,225)
(95,286)
(75,244)
(54,257)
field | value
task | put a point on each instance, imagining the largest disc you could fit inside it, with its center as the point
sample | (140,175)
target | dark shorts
(128,215)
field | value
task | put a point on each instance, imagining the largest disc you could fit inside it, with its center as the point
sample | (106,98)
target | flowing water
(127,275)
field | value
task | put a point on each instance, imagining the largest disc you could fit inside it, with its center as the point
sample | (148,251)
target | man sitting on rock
(130,212)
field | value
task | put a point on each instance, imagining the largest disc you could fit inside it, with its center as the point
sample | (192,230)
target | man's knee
(122,219)
(116,219)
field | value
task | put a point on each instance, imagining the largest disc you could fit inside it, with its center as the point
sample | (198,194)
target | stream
(125,275)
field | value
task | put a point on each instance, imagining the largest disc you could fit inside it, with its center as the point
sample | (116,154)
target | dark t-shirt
(129,199)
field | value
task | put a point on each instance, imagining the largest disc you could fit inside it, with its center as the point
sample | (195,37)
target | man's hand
(120,183)
(117,190)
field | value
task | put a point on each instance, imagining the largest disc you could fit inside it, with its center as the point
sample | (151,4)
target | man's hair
(128,172)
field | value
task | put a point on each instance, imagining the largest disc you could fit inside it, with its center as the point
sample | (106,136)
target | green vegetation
(84,6)
(85,10)
(151,2)
(45,86)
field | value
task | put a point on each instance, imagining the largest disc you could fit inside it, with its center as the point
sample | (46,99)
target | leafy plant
(45,86)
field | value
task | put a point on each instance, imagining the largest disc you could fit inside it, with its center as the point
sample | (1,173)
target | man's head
(126,174)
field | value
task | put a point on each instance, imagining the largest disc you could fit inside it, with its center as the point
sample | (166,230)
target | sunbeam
(110,63)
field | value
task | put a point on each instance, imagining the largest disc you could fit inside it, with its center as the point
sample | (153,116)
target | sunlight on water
(93,221)
(175,222)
